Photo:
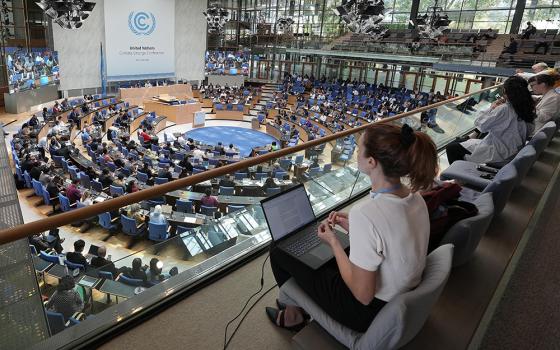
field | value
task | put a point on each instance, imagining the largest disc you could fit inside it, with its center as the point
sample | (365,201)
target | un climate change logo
(142,23)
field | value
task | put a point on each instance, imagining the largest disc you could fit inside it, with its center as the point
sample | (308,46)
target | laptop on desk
(92,252)
(293,227)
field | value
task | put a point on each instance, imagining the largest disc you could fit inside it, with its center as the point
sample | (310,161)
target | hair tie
(407,135)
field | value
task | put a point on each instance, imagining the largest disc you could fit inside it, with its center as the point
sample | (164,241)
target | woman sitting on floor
(388,231)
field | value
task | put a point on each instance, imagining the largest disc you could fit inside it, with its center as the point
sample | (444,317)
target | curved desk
(138,95)
(179,113)
(224,201)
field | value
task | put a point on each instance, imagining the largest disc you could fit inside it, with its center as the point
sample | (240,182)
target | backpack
(445,210)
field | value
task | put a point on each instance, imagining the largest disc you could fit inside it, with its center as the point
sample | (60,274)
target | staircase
(494,50)
(266,96)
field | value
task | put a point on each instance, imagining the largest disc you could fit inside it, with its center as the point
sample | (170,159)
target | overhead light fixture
(363,17)
(68,14)
(433,23)
(216,18)
(284,24)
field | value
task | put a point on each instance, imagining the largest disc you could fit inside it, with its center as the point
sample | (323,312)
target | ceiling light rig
(433,23)
(216,17)
(363,17)
(284,24)
(68,14)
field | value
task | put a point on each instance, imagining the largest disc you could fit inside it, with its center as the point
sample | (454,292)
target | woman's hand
(498,103)
(338,218)
(326,233)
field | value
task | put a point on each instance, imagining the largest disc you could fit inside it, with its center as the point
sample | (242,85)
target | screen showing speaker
(31,69)
(140,39)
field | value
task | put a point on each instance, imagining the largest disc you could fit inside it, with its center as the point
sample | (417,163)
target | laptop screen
(288,212)
(93,250)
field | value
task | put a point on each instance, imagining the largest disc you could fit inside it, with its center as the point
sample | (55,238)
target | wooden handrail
(35,227)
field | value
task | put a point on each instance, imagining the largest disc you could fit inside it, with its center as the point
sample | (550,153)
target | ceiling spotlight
(433,23)
(284,24)
(216,17)
(68,14)
(363,17)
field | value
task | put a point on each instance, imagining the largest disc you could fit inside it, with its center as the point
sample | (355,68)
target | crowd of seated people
(338,103)
(229,94)
(25,67)
(531,42)
(502,130)
(65,299)
(227,62)
(453,42)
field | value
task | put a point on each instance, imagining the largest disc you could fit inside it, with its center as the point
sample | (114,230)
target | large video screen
(31,69)
(140,39)
(227,62)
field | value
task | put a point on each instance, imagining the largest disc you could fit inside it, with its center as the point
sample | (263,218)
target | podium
(255,125)
(199,119)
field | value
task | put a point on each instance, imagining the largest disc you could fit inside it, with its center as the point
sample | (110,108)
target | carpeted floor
(243,138)
(528,315)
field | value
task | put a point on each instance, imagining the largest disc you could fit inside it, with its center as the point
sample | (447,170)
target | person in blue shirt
(86,137)
(157,217)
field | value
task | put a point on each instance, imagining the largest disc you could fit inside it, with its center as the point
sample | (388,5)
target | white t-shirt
(389,234)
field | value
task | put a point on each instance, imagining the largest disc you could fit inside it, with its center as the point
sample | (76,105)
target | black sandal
(277,317)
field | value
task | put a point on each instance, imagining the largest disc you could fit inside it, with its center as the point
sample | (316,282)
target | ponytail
(402,152)
(423,164)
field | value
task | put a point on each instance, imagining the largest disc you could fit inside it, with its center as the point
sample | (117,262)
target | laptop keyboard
(305,243)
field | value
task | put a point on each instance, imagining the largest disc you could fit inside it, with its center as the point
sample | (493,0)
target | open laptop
(293,226)
(92,252)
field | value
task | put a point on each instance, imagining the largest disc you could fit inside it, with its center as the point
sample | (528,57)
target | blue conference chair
(65,203)
(142,177)
(272,191)
(116,190)
(226,191)
(130,281)
(280,175)
(96,186)
(106,275)
(208,211)
(105,221)
(57,323)
(157,232)
(233,208)
(37,188)
(73,173)
(19,174)
(74,266)
(130,228)
(184,206)
(240,176)
(48,257)
(85,180)
(27,179)
(155,201)
(48,200)
(160,180)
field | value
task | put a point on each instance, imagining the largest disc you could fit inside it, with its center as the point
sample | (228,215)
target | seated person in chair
(389,235)
(137,271)
(156,217)
(208,200)
(103,264)
(507,124)
(76,256)
(65,300)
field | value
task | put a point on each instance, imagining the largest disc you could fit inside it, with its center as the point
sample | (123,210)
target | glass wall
(476,14)
(196,239)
